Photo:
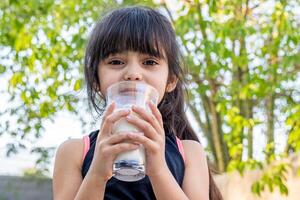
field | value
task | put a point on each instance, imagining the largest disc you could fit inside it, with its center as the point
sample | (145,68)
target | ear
(171,85)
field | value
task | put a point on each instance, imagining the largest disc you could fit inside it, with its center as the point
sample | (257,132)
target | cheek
(104,84)
(161,86)
(161,94)
(161,91)
(105,80)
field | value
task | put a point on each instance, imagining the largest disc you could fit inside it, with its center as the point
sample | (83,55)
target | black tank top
(142,189)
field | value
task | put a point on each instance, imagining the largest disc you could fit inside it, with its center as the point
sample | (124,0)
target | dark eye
(115,62)
(150,62)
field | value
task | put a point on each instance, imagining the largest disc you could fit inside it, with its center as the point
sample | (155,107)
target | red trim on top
(86,146)
(180,148)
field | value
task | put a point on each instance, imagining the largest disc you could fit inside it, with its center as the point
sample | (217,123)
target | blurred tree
(34,173)
(243,58)
(42,47)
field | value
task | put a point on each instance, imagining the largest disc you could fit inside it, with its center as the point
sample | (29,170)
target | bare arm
(196,178)
(67,178)
(66,175)
(165,186)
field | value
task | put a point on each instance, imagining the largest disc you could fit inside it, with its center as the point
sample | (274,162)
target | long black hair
(144,30)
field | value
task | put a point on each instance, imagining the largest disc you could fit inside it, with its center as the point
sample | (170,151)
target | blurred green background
(244,70)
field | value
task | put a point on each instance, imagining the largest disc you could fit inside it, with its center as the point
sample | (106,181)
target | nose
(133,77)
(133,73)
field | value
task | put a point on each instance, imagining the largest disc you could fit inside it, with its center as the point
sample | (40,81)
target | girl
(135,44)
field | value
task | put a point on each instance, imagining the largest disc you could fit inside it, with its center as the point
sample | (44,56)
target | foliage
(274,177)
(244,60)
(42,46)
(34,173)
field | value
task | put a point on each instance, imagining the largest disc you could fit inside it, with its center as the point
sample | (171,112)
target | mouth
(128,90)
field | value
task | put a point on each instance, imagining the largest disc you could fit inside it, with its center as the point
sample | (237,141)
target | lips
(128,90)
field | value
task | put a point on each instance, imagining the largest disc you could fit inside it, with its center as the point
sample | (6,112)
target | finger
(118,138)
(109,109)
(111,119)
(122,147)
(143,125)
(141,139)
(156,113)
(148,116)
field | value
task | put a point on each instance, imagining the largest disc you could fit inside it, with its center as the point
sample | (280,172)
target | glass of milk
(130,166)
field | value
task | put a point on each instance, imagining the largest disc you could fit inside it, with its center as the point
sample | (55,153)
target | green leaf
(283,189)
(77,85)
(2,69)
(23,41)
(16,79)
(256,188)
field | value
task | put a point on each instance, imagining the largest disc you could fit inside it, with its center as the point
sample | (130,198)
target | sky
(65,126)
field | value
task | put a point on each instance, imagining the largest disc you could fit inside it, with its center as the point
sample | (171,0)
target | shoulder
(192,148)
(196,176)
(192,143)
(71,145)
(71,150)
(195,156)
(67,169)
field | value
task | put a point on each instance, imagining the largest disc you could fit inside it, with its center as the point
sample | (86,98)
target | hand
(108,146)
(153,139)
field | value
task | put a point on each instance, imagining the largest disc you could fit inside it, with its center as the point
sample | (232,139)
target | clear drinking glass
(130,166)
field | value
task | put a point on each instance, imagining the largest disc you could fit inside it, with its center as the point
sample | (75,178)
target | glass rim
(132,83)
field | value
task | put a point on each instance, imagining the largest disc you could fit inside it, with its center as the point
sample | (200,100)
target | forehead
(134,53)
(141,48)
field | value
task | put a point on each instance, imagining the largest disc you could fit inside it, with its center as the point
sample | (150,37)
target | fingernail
(131,134)
(127,110)
(139,133)
(134,106)
(150,103)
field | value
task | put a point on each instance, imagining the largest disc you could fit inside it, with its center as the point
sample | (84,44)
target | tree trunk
(250,130)
(216,136)
(270,118)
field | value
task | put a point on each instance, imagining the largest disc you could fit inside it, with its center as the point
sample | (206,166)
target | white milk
(120,126)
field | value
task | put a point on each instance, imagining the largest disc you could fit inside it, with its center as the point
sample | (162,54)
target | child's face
(134,66)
